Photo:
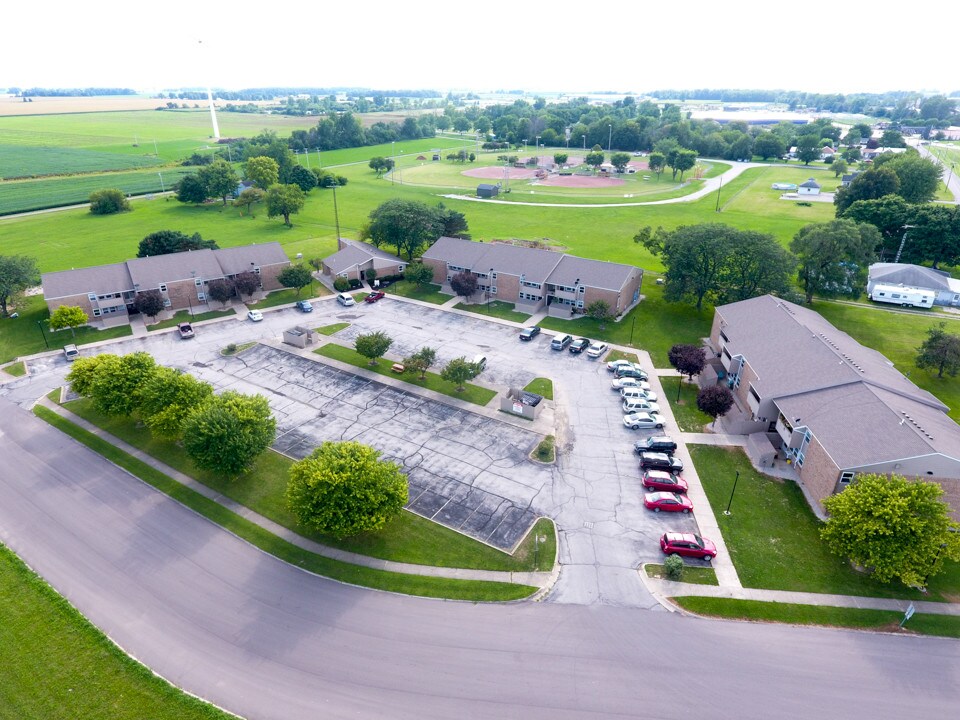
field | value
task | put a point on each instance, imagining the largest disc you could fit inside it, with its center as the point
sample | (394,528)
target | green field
(20,161)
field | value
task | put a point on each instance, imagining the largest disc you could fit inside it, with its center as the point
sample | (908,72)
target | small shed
(810,187)
(523,403)
(486,190)
(298,336)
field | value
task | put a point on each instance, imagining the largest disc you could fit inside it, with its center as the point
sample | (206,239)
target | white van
(635,405)
(635,393)
(346,300)
(480,361)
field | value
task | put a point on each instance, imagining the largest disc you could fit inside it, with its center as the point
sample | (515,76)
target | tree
(742,148)
(166,399)
(249,196)
(284,200)
(228,432)
(82,372)
(888,214)
(715,401)
(919,177)
(108,202)
(262,171)
(688,360)
(899,529)
(940,351)
(656,162)
(301,177)
(418,273)
(190,189)
(560,159)
(164,242)
(935,235)
(464,283)
(892,139)
(620,160)
(681,161)
(756,265)
(599,310)
(220,290)
(68,316)
(246,283)
(868,185)
(373,345)
(17,273)
(219,179)
(594,159)
(459,372)
(149,302)
(694,256)
(115,386)
(296,277)
(454,223)
(381,165)
(839,167)
(768,145)
(834,257)
(808,148)
(408,225)
(343,488)
(421,361)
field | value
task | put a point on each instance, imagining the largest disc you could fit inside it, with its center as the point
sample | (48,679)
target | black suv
(660,461)
(656,444)
(529,333)
(579,345)
(630,372)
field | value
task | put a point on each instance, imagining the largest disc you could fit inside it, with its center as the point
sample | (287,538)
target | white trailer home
(902,295)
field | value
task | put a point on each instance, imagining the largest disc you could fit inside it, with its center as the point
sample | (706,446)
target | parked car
(688,545)
(661,461)
(579,345)
(634,405)
(667,502)
(185,330)
(625,382)
(662,480)
(560,342)
(70,352)
(254,315)
(529,333)
(656,443)
(304,306)
(631,372)
(374,296)
(596,350)
(614,364)
(346,300)
(643,421)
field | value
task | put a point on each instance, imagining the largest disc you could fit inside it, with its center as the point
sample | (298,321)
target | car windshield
(699,540)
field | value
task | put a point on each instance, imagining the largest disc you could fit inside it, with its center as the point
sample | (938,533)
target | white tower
(213,112)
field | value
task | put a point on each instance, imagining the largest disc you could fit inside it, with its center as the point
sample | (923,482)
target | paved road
(269,641)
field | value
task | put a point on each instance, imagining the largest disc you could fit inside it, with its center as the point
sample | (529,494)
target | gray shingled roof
(909,275)
(101,279)
(149,272)
(593,273)
(236,260)
(811,183)
(354,253)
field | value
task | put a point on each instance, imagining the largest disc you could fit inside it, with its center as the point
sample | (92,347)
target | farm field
(21,161)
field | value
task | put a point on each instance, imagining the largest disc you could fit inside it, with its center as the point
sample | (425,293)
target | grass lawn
(16,369)
(497,309)
(471,393)
(691,574)
(621,355)
(541,386)
(428,293)
(885,620)
(897,335)
(332,329)
(773,536)
(289,295)
(185,316)
(689,417)
(654,325)
(237,349)
(358,575)
(23,336)
(407,538)
(58,666)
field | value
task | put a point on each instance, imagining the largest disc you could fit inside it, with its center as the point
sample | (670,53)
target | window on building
(96,312)
(92,297)
(198,282)
(846,478)
(494,276)
(256,271)
(202,297)
(399,268)
(163,287)
(582,289)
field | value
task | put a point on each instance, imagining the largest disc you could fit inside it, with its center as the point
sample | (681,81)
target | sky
(622,46)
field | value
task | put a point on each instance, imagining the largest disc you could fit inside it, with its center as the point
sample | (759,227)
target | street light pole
(162,188)
(609,137)
(719,187)
(336,214)
(45,343)
(393,156)
(727,511)
(584,138)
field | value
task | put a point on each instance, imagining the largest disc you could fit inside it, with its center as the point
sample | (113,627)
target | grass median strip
(358,575)
(541,386)
(471,393)
(59,666)
(689,417)
(185,316)
(691,574)
(857,618)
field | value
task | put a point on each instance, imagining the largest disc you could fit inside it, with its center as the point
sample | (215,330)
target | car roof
(679,537)
(659,473)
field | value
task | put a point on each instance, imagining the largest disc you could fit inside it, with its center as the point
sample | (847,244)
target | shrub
(107,202)
(341,284)
(354,283)
(673,566)
(545,449)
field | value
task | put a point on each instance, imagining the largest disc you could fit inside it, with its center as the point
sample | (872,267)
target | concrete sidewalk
(664,589)
(541,580)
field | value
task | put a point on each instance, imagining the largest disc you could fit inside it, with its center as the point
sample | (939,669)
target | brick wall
(819,473)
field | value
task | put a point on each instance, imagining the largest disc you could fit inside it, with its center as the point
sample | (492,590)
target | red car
(374,296)
(662,480)
(688,545)
(668,502)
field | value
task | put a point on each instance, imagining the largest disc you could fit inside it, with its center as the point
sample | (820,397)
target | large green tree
(108,201)
(868,185)
(262,171)
(940,351)
(295,276)
(897,528)
(301,177)
(459,372)
(656,162)
(373,346)
(934,235)
(919,177)
(681,162)
(768,145)
(620,160)
(808,148)
(219,178)
(68,316)
(407,225)
(421,360)
(889,214)
(344,488)
(834,257)
(117,380)
(191,189)
(228,432)
(757,264)
(284,200)
(164,242)
(166,399)
(17,273)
